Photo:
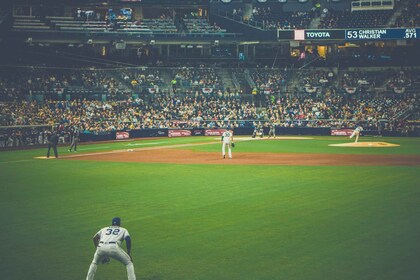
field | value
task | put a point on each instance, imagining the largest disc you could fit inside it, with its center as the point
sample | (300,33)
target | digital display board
(349,34)
(285,35)
(381,34)
(324,34)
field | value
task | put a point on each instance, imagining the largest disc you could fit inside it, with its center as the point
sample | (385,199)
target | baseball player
(258,130)
(52,144)
(227,139)
(74,138)
(356,133)
(107,242)
(272,131)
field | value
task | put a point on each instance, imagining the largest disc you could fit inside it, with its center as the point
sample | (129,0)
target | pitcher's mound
(44,157)
(366,145)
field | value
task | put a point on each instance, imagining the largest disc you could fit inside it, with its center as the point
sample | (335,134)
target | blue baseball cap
(116,221)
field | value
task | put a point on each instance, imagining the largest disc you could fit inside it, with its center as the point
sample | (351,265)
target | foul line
(144,149)
(137,149)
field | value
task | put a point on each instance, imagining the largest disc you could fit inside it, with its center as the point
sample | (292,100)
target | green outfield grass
(212,222)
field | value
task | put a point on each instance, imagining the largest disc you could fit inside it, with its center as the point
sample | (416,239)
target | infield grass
(211,222)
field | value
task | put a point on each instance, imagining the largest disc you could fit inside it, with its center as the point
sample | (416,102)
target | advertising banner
(120,135)
(214,132)
(341,132)
(148,132)
(198,132)
(179,133)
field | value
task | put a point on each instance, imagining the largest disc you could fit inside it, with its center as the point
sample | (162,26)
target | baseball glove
(233,145)
(105,260)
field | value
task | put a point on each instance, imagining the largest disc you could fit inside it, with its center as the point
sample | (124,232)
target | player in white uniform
(227,139)
(107,242)
(356,133)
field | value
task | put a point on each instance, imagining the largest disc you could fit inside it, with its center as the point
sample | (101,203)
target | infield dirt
(185,156)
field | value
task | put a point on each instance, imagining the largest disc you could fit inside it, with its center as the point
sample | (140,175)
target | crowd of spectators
(138,78)
(358,79)
(390,80)
(410,15)
(270,80)
(196,110)
(18,83)
(401,78)
(191,77)
(272,20)
(119,84)
(163,111)
(316,78)
(331,19)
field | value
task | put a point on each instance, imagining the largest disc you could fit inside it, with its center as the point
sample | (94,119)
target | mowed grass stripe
(408,146)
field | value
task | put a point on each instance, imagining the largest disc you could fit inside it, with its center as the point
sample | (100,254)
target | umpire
(52,143)
(74,138)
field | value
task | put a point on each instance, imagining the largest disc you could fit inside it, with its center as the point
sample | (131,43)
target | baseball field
(289,208)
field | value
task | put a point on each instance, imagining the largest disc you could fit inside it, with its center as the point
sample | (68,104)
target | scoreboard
(382,34)
(350,34)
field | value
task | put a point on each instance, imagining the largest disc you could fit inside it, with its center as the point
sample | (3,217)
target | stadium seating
(269,80)
(283,20)
(71,24)
(190,78)
(409,16)
(356,19)
(201,25)
(30,23)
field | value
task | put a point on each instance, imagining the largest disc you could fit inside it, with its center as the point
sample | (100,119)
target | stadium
(120,108)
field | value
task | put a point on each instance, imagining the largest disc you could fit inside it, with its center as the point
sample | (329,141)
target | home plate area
(365,145)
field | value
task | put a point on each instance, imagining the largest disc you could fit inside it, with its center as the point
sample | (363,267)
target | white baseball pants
(355,133)
(113,251)
(224,150)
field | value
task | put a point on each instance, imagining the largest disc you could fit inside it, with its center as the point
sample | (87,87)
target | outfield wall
(5,144)
(165,132)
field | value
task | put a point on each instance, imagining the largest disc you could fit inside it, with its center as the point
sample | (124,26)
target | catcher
(258,131)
